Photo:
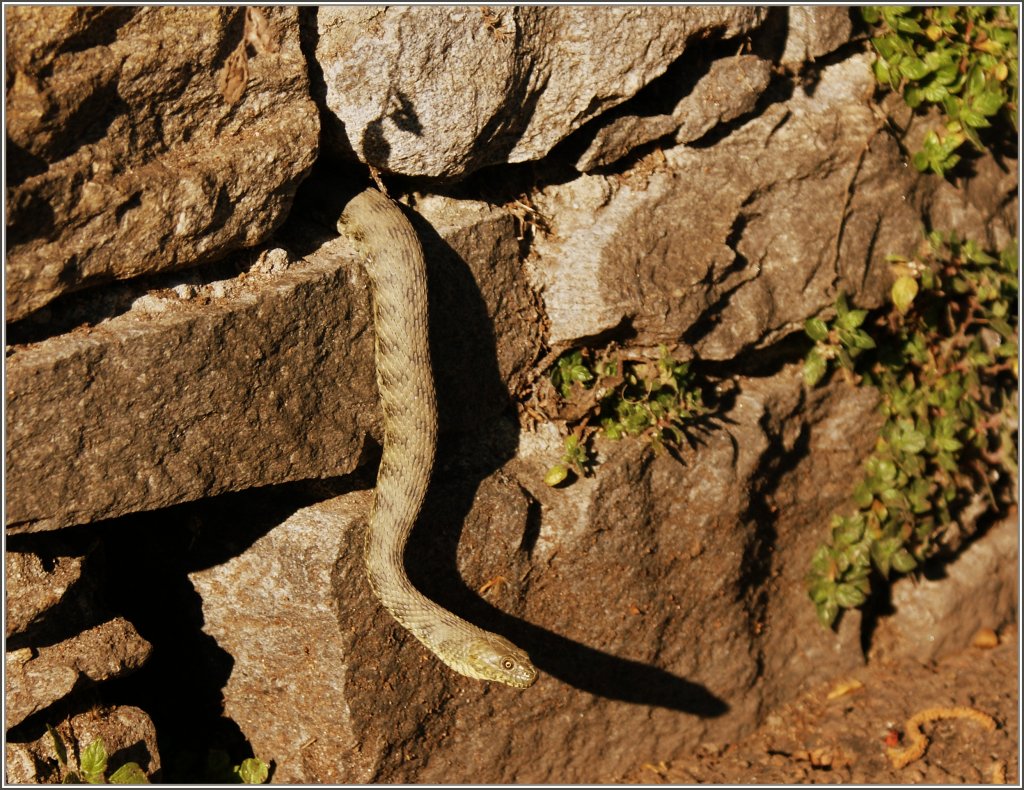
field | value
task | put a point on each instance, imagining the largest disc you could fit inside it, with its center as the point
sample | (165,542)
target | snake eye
(508,663)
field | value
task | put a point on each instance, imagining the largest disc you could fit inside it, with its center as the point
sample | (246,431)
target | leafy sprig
(92,765)
(947,376)
(651,399)
(960,58)
(842,341)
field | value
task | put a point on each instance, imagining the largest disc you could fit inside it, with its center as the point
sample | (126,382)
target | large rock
(36,678)
(124,155)
(727,247)
(936,617)
(644,596)
(297,635)
(192,392)
(262,378)
(521,78)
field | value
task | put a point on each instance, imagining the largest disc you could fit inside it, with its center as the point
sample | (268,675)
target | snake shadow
(479,433)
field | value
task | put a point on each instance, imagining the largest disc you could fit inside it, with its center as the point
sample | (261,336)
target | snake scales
(394,263)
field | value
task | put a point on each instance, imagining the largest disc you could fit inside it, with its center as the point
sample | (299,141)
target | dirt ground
(845,739)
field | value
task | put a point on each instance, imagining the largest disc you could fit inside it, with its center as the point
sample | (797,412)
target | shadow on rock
(612,677)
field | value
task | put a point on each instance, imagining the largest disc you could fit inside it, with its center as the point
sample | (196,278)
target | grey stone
(731,237)
(729,89)
(815,31)
(522,78)
(934,618)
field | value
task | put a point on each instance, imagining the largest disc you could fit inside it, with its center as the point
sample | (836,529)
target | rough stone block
(522,78)
(125,158)
(36,678)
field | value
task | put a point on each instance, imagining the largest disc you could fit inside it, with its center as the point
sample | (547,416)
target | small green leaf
(903,292)
(852,319)
(253,771)
(921,160)
(886,469)
(970,117)
(887,46)
(861,340)
(989,102)
(827,613)
(556,475)
(814,367)
(821,562)
(913,69)
(849,532)
(870,15)
(129,774)
(58,746)
(882,73)
(93,762)
(849,596)
(908,26)
(903,562)
(822,591)
(816,329)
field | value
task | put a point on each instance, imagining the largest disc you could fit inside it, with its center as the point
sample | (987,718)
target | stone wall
(192,423)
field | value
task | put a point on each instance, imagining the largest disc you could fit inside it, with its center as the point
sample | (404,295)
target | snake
(395,266)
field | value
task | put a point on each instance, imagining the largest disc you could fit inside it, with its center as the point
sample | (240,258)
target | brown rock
(39,677)
(125,158)
(635,636)
(934,618)
(730,88)
(822,437)
(190,397)
(295,628)
(814,31)
(522,78)
(728,247)
(127,733)
(32,589)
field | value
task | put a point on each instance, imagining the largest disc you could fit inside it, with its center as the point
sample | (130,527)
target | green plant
(654,400)
(575,457)
(961,58)
(92,765)
(947,374)
(251,771)
(842,341)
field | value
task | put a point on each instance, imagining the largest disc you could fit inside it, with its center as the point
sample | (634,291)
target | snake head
(494,658)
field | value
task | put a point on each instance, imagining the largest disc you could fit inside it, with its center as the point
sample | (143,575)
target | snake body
(394,263)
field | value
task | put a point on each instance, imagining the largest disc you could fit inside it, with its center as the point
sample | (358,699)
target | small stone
(149,303)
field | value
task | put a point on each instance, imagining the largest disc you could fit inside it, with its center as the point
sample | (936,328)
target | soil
(845,739)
